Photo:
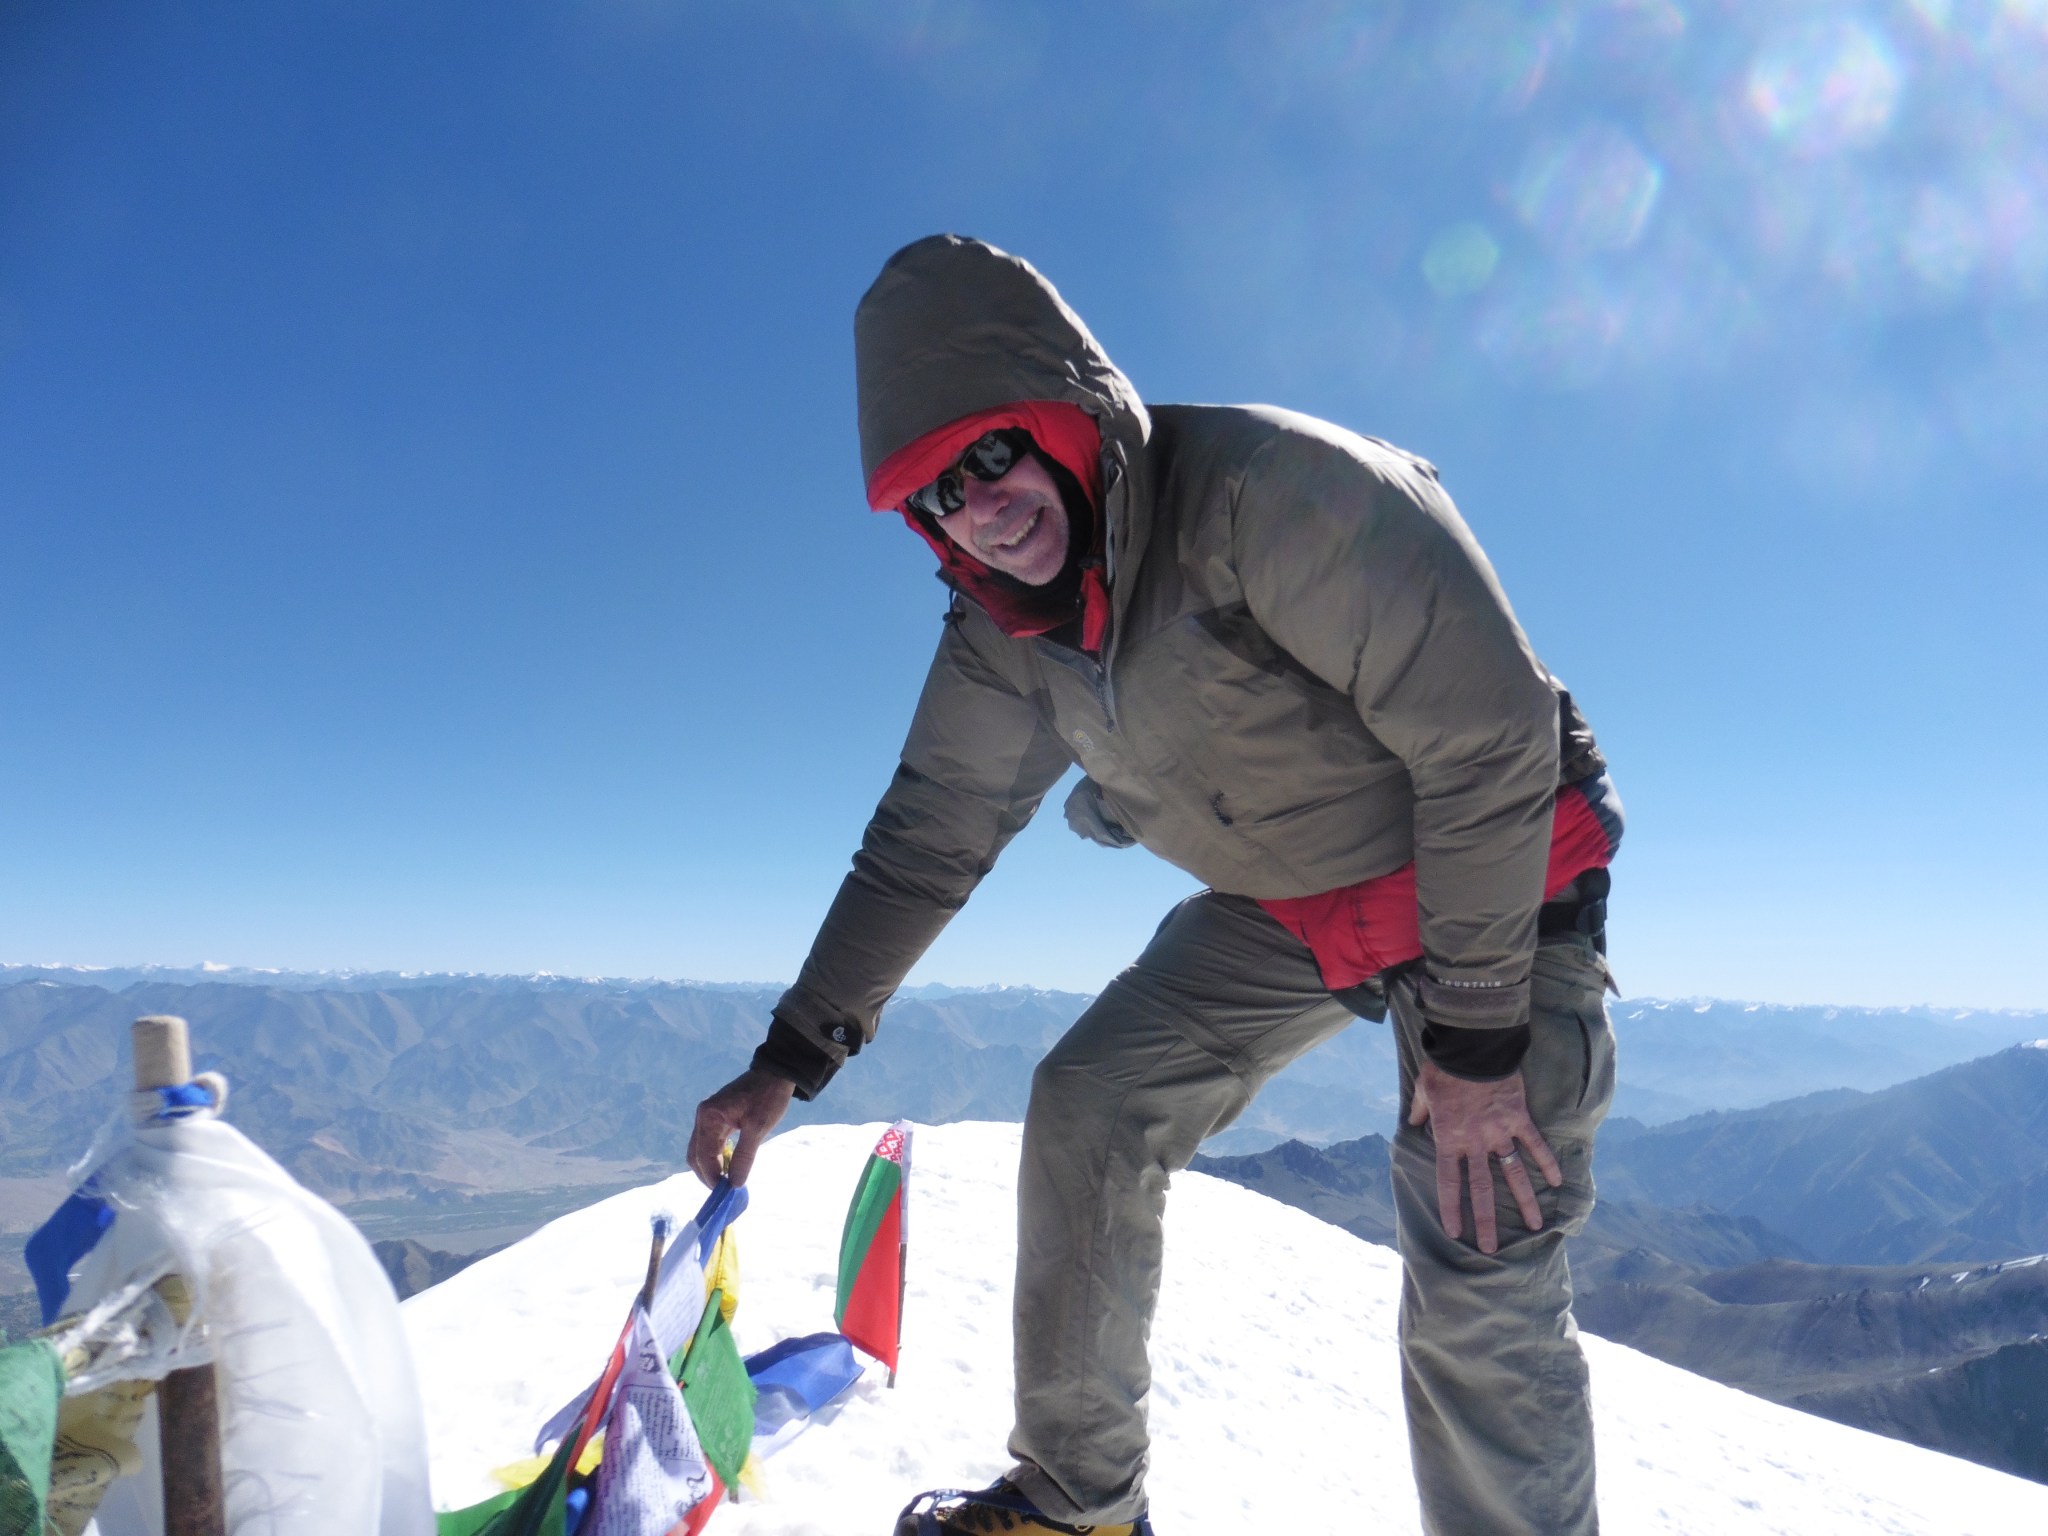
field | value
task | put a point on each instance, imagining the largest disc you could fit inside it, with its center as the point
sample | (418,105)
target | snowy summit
(1276,1395)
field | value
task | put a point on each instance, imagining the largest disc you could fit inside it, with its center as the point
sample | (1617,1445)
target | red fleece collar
(1064,431)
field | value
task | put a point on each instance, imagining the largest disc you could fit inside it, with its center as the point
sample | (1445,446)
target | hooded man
(1284,665)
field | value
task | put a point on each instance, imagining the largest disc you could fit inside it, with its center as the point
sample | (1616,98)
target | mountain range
(1951,1166)
(441,1089)
(454,1114)
(1873,1258)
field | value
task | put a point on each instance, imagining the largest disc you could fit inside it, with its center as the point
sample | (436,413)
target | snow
(1276,1396)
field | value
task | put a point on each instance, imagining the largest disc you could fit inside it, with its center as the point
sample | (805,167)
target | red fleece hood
(1064,432)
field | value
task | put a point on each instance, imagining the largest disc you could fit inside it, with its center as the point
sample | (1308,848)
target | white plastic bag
(321,1426)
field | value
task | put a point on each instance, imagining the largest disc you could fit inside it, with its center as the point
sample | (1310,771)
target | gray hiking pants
(1224,997)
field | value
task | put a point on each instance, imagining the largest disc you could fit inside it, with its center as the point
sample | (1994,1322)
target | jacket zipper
(1095,674)
(1112,476)
(1090,672)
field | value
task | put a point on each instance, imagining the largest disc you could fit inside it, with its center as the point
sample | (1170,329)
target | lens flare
(1612,193)
(1592,190)
(1998,405)
(1460,260)
(1855,241)
(1826,86)
(1684,308)
(2016,225)
(1943,241)
(1559,333)
(1852,441)
(2014,52)
(1494,56)
(1296,54)
(1632,32)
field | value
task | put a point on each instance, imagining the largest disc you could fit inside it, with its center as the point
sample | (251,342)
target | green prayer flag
(478,1517)
(31,1387)
(718,1392)
(535,1510)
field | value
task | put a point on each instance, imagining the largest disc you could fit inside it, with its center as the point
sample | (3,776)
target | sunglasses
(989,457)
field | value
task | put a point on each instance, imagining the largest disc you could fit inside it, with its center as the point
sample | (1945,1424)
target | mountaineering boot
(1001,1509)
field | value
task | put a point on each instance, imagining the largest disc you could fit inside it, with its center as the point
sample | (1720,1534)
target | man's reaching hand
(1471,1122)
(752,1104)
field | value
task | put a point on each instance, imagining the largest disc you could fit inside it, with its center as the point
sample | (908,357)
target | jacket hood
(1067,436)
(955,337)
(954,327)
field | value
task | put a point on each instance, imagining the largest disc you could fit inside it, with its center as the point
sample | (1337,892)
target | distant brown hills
(1868,1257)
(453,1113)
(456,1088)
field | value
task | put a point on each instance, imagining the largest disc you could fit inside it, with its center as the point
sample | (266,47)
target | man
(1285,666)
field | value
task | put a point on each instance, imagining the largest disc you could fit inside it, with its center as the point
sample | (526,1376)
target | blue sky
(431,517)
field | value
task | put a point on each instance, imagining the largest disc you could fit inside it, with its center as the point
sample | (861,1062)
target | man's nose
(985,499)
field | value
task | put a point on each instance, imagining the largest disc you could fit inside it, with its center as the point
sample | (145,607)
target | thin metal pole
(188,1402)
(902,1289)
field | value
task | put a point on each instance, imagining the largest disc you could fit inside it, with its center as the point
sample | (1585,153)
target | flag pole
(902,1287)
(902,1246)
(188,1402)
(654,1253)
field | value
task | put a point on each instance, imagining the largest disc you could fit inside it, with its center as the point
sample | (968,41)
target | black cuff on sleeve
(1481,1055)
(1474,1004)
(788,1053)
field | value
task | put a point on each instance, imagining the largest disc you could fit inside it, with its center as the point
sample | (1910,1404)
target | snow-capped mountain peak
(1275,1403)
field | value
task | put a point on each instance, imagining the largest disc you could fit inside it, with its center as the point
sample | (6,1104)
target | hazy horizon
(233,971)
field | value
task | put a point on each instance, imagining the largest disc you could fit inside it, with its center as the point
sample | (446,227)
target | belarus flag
(870,1309)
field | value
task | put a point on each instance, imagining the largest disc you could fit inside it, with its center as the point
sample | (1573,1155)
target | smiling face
(1016,525)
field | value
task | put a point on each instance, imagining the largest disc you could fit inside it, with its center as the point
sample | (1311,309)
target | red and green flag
(871,1251)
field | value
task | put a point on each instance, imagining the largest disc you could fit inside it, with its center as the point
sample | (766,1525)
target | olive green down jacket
(1311,674)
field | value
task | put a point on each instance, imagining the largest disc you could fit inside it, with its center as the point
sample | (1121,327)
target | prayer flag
(31,1385)
(73,1230)
(678,1302)
(654,1471)
(870,1306)
(794,1380)
(718,1393)
(538,1509)
(722,1273)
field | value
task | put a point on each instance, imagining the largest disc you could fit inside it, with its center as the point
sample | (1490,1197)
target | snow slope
(1276,1395)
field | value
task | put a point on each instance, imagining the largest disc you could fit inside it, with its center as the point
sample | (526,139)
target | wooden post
(654,1253)
(188,1402)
